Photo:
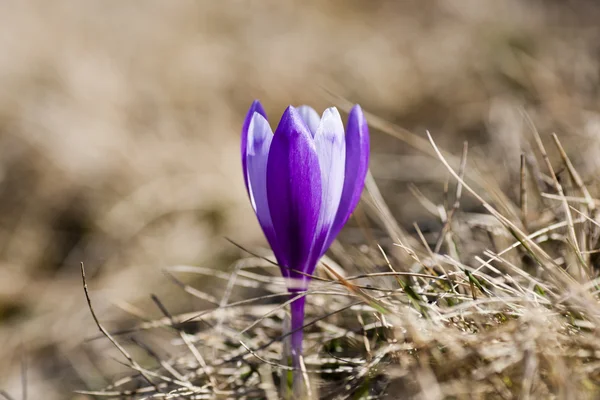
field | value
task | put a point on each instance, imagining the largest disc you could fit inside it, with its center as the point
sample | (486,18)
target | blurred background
(120,123)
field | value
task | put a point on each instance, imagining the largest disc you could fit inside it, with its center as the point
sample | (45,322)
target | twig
(591,205)
(456,204)
(186,339)
(191,290)
(169,368)
(523,191)
(227,293)
(574,174)
(559,189)
(309,394)
(239,246)
(132,362)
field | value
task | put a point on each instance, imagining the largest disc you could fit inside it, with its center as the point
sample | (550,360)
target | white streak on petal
(260,136)
(310,117)
(330,142)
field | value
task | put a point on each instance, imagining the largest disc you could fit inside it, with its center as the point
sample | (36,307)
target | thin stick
(559,190)
(574,174)
(461,173)
(523,191)
(429,205)
(168,367)
(446,195)
(304,371)
(186,339)
(132,362)
(431,254)
(191,290)
(456,205)
(573,199)
(389,264)
(576,178)
(239,246)
(365,336)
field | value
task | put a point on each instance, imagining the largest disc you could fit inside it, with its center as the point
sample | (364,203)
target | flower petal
(255,107)
(259,141)
(294,191)
(310,117)
(357,165)
(330,142)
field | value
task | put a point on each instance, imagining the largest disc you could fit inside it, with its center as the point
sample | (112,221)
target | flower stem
(297,336)
(297,310)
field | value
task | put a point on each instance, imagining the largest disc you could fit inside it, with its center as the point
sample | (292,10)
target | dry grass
(119,128)
(519,321)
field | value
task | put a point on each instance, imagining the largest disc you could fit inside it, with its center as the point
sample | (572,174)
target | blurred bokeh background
(120,120)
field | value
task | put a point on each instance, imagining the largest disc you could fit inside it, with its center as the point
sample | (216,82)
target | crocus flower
(304,181)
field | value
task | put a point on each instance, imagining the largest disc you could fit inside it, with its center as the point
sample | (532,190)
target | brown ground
(119,129)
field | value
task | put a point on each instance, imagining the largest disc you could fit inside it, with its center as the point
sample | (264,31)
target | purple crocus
(304,181)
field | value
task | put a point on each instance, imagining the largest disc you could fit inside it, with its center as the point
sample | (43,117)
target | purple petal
(257,153)
(255,107)
(294,190)
(330,142)
(310,117)
(357,164)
